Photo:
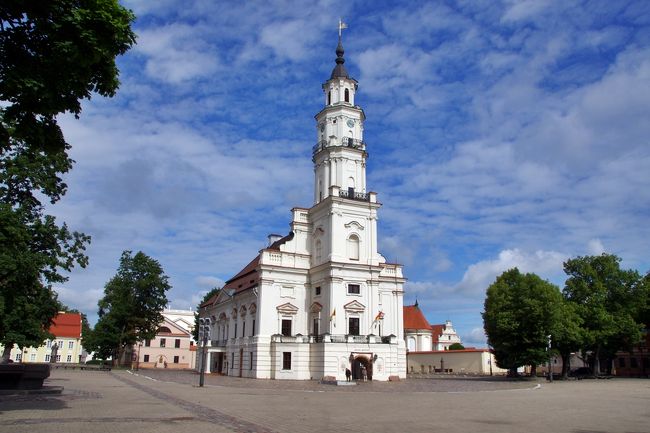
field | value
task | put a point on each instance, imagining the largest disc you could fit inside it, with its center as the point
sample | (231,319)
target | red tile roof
(66,325)
(436,331)
(248,277)
(414,319)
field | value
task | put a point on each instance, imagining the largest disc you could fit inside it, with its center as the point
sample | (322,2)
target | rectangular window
(70,344)
(147,343)
(243,329)
(49,344)
(316,326)
(163,342)
(621,362)
(175,359)
(253,330)
(286,327)
(19,357)
(353,323)
(251,360)
(69,358)
(191,343)
(177,343)
(286,360)
(354,289)
(232,360)
(47,358)
(235,334)
(32,357)
(58,358)
(318,291)
(146,358)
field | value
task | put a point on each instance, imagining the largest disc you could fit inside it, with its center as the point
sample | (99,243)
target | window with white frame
(48,344)
(70,344)
(286,327)
(68,358)
(354,289)
(19,357)
(32,357)
(353,325)
(47,358)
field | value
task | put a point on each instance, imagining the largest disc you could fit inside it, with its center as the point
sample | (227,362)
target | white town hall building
(321,299)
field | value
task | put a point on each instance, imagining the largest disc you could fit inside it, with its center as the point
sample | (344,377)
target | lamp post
(205,328)
(550,361)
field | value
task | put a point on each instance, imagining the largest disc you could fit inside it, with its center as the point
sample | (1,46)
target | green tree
(608,300)
(212,293)
(568,335)
(456,346)
(54,53)
(520,311)
(131,309)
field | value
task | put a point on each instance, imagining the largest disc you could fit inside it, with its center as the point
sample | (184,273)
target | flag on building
(379,316)
(333,315)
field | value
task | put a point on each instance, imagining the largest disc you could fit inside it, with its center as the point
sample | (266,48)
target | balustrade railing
(353,195)
(354,143)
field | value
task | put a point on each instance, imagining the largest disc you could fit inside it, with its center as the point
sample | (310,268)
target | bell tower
(339,155)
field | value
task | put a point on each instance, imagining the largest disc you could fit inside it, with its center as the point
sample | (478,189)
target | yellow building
(66,328)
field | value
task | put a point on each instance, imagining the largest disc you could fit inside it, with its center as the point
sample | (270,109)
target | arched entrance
(357,370)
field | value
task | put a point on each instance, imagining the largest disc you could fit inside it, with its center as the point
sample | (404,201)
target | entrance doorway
(357,370)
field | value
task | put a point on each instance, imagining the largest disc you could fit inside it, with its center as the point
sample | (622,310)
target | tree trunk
(6,354)
(596,362)
(566,365)
(533,370)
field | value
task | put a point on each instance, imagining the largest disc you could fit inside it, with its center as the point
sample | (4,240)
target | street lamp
(550,361)
(205,328)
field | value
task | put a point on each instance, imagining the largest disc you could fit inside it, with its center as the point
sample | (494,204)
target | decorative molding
(316,307)
(354,224)
(354,307)
(287,308)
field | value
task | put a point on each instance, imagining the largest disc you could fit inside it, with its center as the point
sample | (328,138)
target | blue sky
(500,134)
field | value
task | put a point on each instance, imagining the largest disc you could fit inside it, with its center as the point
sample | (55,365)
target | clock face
(350,123)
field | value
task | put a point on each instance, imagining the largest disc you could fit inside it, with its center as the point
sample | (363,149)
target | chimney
(272,238)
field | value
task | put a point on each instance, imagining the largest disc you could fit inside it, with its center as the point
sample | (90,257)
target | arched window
(329,98)
(164,330)
(347,95)
(319,250)
(353,247)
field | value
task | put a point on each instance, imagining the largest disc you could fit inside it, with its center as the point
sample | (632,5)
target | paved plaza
(168,401)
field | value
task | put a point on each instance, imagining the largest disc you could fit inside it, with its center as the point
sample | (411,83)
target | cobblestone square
(168,401)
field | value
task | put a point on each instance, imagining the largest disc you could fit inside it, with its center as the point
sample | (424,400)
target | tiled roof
(66,325)
(436,331)
(414,319)
(248,277)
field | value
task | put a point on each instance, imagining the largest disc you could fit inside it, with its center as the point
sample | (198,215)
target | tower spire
(339,70)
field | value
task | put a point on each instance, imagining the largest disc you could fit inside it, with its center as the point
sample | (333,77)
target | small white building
(421,336)
(321,299)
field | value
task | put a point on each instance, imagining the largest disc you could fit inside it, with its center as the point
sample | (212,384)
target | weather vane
(342,26)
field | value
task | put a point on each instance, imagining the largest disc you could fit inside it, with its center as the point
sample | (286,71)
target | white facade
(321,299)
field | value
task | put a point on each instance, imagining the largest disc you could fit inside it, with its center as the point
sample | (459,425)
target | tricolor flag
(379,316)
(333,315)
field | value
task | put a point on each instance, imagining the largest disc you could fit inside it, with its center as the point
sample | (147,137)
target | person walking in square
(348,373)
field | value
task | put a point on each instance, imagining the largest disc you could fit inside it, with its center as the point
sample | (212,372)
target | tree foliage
(54,53)
(521,310)
(456,346)
(131,309)
(213,292)
(609,302)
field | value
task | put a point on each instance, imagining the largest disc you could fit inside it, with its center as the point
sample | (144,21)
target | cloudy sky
(500,134)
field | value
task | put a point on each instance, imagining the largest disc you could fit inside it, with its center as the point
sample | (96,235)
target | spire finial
(342,26)
(339,69)
(416,302)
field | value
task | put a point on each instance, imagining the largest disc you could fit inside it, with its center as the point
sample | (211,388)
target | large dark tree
(131,309)
(53,54)
(609,300)
(521,311)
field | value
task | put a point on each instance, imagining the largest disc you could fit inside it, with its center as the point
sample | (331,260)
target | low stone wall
(23,376)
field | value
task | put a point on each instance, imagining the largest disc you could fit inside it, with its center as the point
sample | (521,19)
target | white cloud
(595,247)
(480,275)
(209,282)
(84,301)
